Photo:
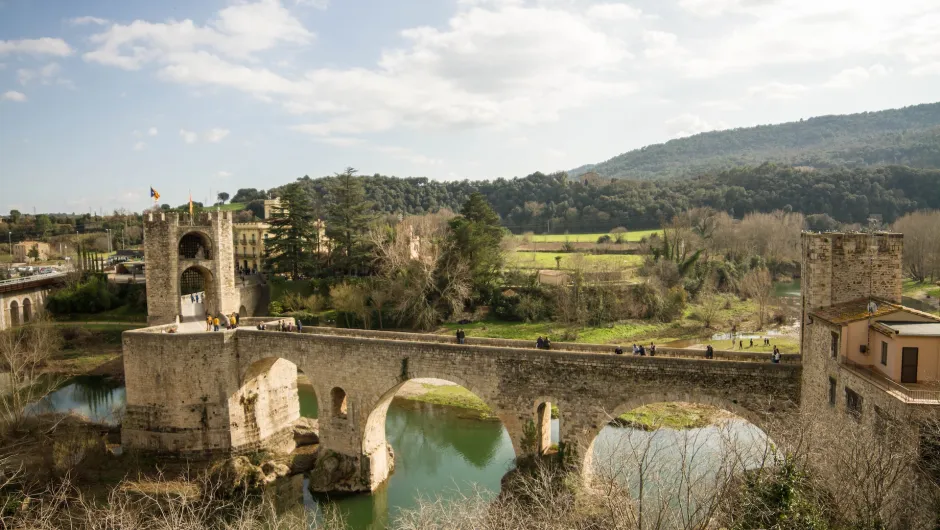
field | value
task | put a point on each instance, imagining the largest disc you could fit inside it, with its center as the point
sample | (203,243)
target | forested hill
(539,201)
(908,136)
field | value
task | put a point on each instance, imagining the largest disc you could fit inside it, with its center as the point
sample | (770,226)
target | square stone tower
(189,256)
(841,267)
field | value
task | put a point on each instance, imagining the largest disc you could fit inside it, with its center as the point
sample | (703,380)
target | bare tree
(24,352)
(921,244)
(759,285)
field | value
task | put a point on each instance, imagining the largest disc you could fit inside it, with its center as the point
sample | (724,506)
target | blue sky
(101,99)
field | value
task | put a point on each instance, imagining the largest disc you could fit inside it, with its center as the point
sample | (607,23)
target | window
(832,392)
(884,353)
(834,345)
(853,403)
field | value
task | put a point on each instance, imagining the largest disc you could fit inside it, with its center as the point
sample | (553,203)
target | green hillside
(909,136)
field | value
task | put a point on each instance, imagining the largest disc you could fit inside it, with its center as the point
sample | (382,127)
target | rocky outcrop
(335,472)
(306,432)
(240,474)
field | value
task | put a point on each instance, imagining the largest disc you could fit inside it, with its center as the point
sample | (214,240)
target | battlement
(840,267)
(206,218)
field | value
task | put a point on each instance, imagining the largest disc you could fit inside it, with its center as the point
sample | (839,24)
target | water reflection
(97,398)
(439,453)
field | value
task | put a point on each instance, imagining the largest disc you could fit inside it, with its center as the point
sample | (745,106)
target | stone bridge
(22,299)
(233,392)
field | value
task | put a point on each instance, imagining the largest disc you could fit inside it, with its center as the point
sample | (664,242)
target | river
(439,454)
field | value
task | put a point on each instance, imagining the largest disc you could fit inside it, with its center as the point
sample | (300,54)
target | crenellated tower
(186,255)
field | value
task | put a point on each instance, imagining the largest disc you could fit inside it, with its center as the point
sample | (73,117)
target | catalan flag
(190,204)
(154,194)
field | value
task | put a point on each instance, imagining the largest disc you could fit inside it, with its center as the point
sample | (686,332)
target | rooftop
(913,329)
(855,310)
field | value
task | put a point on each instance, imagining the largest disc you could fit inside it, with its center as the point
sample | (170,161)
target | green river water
(439,454)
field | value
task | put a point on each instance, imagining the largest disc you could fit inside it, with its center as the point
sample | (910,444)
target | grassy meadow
(546,260)
(632,236)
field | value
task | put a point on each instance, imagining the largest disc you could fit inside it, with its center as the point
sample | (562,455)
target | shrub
(604,239)
(93,295)
(275,308)
(567,246)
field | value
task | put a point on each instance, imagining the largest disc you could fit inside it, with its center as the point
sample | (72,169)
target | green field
(546,260)
(230,207)
(589,238)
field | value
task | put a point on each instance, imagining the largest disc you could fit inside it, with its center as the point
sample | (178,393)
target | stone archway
(601,419)
(378,451)
(195,245)
(27,310)
(265,407)
(14,313)
(197,279)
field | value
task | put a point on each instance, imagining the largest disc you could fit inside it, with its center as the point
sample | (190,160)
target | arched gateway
(239,393)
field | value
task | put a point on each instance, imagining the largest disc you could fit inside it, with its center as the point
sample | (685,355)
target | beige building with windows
(249,239)
(871,375)
(21,251)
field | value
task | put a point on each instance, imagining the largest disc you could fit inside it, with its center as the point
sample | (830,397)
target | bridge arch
(264,407)
(375,444)
(27,310)
(601,418)
(14,313)
(195,244)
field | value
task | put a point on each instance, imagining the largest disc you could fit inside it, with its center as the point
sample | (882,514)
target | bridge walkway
(570,347)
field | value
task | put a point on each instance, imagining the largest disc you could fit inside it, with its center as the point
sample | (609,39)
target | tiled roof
(854,311)
(858,310)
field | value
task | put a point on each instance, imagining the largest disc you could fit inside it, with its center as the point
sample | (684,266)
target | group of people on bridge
(289,326)
(215,323)
(638,350)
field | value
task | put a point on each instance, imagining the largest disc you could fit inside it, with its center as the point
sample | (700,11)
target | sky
(102,99)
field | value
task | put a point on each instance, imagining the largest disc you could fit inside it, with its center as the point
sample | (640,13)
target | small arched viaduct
(235,391)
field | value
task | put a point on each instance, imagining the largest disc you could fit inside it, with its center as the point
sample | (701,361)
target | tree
(15,216)
(24,351)
(759,285)
(710,308)
(223,196)
(33,252)
(293,235)
(476,236)
(349,215)
(245,195)
(921,254)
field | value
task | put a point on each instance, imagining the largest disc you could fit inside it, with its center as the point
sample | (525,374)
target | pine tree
(293,236)
(348,217)
(476,237)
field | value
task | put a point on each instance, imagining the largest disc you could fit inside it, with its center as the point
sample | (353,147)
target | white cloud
(927,69)
(83,21)
(852,77)
(613,12)
(319,4)
(238,31)
(690,124)
(403,153)
(47,75)
(13,95)
(42,46)
(777,91)
(152,131)
(493,64)
(223,174)
(188,136)
(340,141)
(751,34)
(216,135)
(139,146)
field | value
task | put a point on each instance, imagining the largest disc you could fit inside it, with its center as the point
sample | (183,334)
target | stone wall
(37,304)
(183,389)
(840,268)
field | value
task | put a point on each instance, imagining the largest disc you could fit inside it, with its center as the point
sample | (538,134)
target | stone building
(249,244)
(869,363)
(21,251)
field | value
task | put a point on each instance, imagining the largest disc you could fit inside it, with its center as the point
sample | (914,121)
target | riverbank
(89,349)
